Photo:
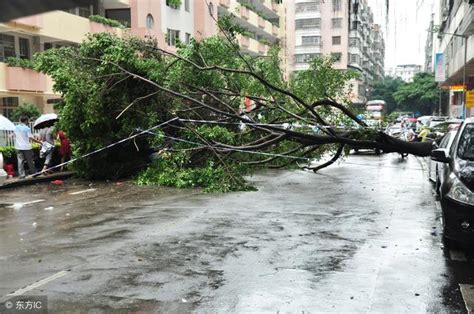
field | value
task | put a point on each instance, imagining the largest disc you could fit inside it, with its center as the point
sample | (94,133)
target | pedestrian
(23,147)
(423,135)
(47,147)
(65,149)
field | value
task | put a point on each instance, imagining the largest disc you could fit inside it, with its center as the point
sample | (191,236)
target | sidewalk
(15,182)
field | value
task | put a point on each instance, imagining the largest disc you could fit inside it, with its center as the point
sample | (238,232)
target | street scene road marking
(34,285)
(467,292)
(81,192)
(457,255)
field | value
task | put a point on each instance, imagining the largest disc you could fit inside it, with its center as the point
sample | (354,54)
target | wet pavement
(360,236)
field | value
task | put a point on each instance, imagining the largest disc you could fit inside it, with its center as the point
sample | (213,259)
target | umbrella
(6,124)
(45,120)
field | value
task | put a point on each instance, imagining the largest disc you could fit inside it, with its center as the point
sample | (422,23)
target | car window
(466,143)
(444,142)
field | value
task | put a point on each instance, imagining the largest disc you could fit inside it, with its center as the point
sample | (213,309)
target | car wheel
(377,151)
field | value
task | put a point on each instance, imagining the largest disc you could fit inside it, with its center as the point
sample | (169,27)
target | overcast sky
(405,33)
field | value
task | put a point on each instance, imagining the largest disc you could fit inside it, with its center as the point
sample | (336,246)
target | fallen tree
(223,113)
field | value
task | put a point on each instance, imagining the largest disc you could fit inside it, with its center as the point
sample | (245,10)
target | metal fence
(7,138)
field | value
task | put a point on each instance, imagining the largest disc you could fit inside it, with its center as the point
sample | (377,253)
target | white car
(433,166)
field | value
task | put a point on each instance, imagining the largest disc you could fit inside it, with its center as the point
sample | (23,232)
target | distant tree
(384,90)
(27,110)
(421,95)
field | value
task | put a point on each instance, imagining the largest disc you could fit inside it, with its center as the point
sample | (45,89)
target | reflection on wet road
(362,236)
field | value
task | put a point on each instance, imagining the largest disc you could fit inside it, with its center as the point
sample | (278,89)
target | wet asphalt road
(361,236)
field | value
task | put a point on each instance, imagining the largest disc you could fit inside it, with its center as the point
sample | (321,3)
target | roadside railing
(7,138)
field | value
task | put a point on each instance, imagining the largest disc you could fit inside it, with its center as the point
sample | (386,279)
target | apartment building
(167,21)
(344,30)
(404,71)
(23,37)
(456,42)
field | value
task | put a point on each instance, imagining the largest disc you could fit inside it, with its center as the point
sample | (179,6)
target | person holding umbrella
(46,122)
(23,147)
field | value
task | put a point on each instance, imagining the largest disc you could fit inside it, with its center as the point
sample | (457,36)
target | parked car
(436,121)
(433,166)
(457,185)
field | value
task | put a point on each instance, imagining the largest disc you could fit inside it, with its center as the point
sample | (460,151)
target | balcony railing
(225,3)
(20,79)
(274,6)
(275,30)
(35,21)
(244,41)
(244,12)
(261,22)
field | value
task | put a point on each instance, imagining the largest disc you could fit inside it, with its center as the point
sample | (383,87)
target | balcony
(261,22)
(275,30)
(225,3)
(244,12)
(252,46)
(466,27)
(20,79)
(274,6)
(34,21)
(244,41)
(100,28)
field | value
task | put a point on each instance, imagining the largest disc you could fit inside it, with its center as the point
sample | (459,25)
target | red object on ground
(57,182)
(119,183)
(10,169)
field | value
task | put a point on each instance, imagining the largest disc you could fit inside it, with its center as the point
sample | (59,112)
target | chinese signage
(456,88)
(440,74)
(470,99)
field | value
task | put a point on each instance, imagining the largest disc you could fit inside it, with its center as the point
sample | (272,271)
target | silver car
(433,166)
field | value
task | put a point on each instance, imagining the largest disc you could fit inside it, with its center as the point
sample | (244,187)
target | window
(187,38)
(172,37)
(24,48)
(336,22)
(306,57)
(354,42)
(150,22)
(186,5)
(336,56)
(7,46)
(311,40)
(308,23)
(336,40)
(121,15)
(466,143)
(354,25)
(354,58)
(336,5)
(308,7)
(84,11)
(47,46)
(173,4)
(8,105)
